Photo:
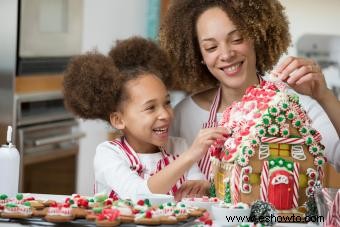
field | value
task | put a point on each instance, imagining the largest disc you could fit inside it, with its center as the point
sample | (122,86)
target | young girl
(127,91)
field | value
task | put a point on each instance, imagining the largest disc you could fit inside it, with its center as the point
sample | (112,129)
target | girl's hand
(193,189)
(304,76)
(204,139)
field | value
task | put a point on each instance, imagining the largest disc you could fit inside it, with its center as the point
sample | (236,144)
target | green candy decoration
(212,189)
(227,192)
(19,196)
(3,196)
(147,202)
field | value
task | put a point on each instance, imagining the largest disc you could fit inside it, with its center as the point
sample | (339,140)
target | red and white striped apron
(204,164)
(137,166)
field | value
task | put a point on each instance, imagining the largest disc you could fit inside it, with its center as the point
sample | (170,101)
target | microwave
(50,33)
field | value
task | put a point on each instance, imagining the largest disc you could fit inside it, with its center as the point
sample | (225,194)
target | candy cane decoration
(296,185)
(317,137)
(236,184)
(282,140)
(264,182)
(297,108)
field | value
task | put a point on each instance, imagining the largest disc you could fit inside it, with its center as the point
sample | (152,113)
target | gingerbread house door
(280,189)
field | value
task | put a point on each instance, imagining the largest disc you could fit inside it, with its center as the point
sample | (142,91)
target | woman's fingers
(292,68)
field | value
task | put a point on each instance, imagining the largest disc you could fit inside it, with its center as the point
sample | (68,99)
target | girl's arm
(167,177)
(306,78)
(112,172)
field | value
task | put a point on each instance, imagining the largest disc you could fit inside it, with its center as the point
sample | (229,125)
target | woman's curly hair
(94,83)
(263,21)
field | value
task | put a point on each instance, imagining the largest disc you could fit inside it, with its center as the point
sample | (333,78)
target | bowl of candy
(230,214)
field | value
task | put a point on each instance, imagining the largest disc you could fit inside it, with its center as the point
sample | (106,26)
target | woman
(228,45)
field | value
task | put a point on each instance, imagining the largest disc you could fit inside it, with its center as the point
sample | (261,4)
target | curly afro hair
(94,83)
(263,21)
(137,52)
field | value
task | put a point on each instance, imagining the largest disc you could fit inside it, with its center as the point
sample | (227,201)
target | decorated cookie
(59,212)
(13,210)
(148,217)
(108,217)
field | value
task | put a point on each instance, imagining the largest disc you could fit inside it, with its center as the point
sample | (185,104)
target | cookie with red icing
(13,210)
(59,212)
(108,217)
(147,218)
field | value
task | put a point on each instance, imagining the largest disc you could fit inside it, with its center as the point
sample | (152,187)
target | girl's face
(146,114)
(227,54)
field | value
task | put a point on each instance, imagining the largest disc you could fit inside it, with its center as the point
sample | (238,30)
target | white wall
(104,22)
(315,17)
(312,16)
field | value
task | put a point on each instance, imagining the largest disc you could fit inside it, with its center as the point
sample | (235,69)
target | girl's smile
(146,114)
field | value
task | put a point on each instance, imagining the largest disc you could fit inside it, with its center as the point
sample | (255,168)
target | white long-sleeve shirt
(112,169)
(189,118)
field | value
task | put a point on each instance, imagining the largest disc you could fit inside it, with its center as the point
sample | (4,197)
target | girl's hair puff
(94,84)
(263,21)
(144,55)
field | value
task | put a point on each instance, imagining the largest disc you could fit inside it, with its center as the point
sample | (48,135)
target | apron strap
(204,164)
(136,165)
(167,159)
(212,121)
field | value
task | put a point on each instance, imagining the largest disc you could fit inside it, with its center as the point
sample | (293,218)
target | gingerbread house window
(279,150)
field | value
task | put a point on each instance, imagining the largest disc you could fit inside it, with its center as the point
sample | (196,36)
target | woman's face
(226,53)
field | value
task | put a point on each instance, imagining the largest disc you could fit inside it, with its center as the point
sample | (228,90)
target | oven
(48,141)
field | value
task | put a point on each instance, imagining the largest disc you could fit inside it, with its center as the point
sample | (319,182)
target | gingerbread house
(273,153)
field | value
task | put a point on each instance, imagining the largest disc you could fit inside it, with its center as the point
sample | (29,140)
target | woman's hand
(204,139)
(193,188)
(304,76)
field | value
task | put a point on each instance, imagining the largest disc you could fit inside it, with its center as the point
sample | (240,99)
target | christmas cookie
(165,212)
(108,217)
(4,199)
(59,212)
(13,210)
(126,210)
(181,212)
(147,218)
(92,214)
(79,205)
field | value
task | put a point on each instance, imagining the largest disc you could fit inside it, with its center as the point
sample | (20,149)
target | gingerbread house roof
(266,114)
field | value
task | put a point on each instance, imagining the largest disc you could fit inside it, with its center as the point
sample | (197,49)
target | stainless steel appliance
(325,50)
(47,138)
(8,49)
(50,33)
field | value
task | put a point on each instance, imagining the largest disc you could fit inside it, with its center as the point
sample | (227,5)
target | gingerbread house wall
(256,164)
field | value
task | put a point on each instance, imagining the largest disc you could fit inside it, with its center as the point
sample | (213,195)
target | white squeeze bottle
(9,167)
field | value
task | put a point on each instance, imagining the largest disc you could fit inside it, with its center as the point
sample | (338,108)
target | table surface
(60,198)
